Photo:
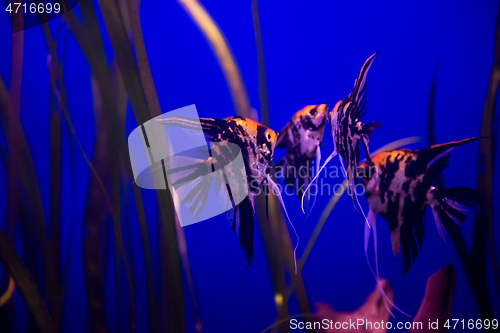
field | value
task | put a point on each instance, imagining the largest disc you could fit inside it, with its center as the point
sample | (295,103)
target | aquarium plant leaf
(142,60)
(171,271)
(218,43)
(125,59)
(26,285)
(483,231)
(262,69)
(431,128)
(154,107)
(373,310)
(9,292)
(19,153)
(148,262)
(438,300)
(282,233)
(52,282)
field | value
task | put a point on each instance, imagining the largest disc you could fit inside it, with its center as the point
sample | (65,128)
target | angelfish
(256,143)
(348,130)
(399,188)
(301,137)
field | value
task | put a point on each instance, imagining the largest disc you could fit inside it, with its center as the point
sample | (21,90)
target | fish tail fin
(450,206)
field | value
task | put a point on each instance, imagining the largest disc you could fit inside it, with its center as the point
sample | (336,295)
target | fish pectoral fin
(198,196)
(365,138)
(369,128)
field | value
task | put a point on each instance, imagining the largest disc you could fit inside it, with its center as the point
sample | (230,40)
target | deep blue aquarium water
(313,52)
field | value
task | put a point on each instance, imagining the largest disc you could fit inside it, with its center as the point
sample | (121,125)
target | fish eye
(313,112)
(268,136)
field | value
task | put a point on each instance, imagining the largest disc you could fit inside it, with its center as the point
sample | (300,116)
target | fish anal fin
(412,234)
(396,241)
(245,230)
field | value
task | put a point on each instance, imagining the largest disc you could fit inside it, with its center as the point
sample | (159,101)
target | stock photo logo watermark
(323,186)
(170,151)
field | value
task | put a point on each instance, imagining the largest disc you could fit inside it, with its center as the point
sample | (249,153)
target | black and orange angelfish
(256,143)
(301,137)
(348,130)
(398,187)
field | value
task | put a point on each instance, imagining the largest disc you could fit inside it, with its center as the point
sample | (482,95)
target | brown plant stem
(54,290)
(13,119)
(174,313)
(154,108)
(269,229)
(280,233)
(260,58)
(8,293)
(438,300)
(218,43)
(142,60)
(89,39)
(483,223)
(26,285)
(458,240)
(183,252)
(95,227)
(148,262)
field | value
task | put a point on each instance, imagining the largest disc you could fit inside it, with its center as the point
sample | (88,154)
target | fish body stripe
(400,189)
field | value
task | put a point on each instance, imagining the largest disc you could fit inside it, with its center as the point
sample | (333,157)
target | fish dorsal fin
(357,92)
(434,153)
